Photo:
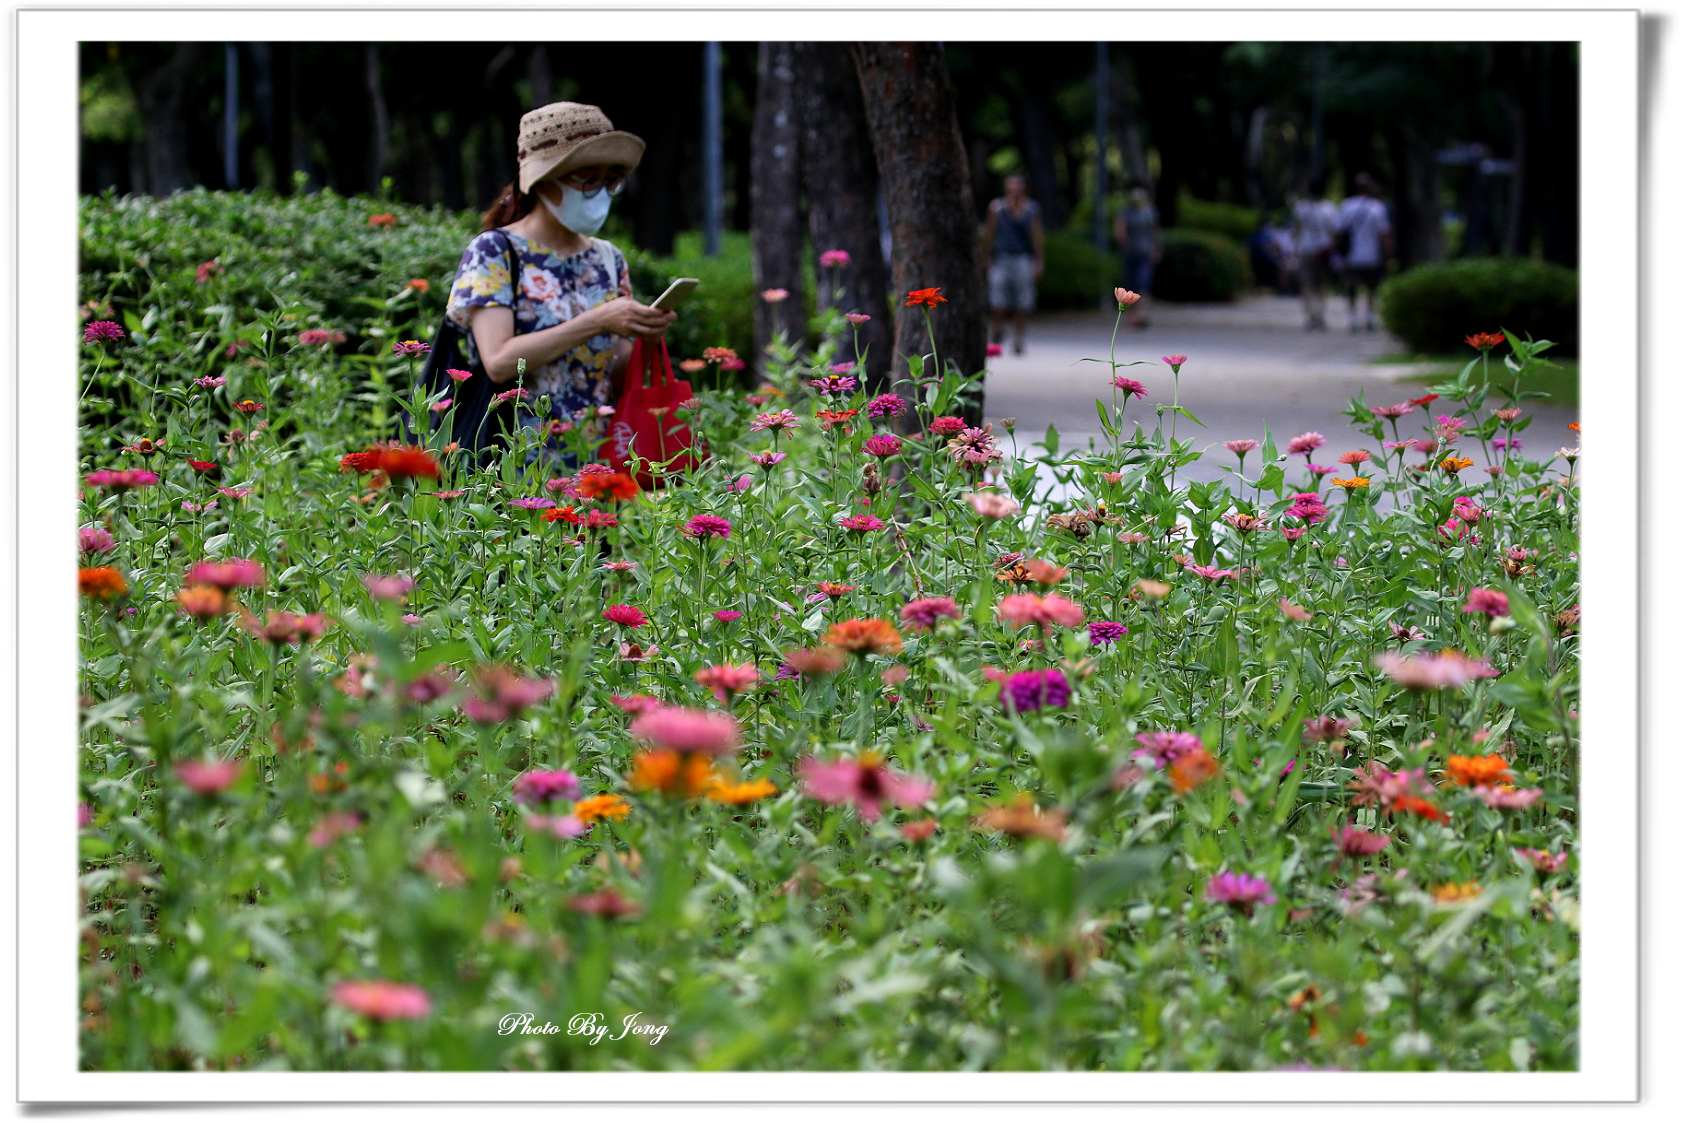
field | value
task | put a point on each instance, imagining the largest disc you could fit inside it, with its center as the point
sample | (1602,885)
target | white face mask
(577,213)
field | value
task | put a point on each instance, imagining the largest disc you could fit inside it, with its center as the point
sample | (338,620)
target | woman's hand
(624,316)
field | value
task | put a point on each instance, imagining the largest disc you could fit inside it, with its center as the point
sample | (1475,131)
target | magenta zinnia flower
(885,405)
(862,524)
(866,782)
(234,573)
(835,259)
(1325,728)
(688,731)
(538,786)
(1245,890)
(923,613)
(95,540)
(707,526)
(102,329)
(727,615)
(122,479)
(410,347)
(1490,602)
(1165,746)
(624,615)
(1105,631)
(883,445)
(1175,361)
(1027,691)
(1129,388)
(767,459)
(382,1000)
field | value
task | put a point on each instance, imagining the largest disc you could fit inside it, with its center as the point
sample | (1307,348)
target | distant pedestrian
(1313,230)
(1138,231)
(1365,221)
(1013,248)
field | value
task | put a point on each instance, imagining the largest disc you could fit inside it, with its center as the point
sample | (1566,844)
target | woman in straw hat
(569,313)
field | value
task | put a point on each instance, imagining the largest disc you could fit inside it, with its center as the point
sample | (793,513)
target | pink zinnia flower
(1175,361)
(234,573)
(1357,842)
(1245,890)
(1165,746)
(410,347)
(707,526)
(775,422)
(94,540)
(1304,444)
(1432,670)
(1105,631)
(122,479)
(862,524)
(727,616)
(992,505)
(1356,456)
(1243,446)
(1325,728)
(210,382)
(835,259)
(1541,860)
(333,826)
(1129,388)
(1507,799)
(1392,412)
(209,778)
(1021,609)
(1467,511)
(688,731)
(726,680)
(543,786)
(624,615)
(502,695)
(857,318)
(637,704)
(866,782)
(883,445)
(774,296)
(1490,602)
(994,350)
(767,459)
(393,587)
(382,1000)
(1126,298)
(560,826)
(885,405)
(103,329)
(459,375)
(947,426)
(924,613)
(441,405)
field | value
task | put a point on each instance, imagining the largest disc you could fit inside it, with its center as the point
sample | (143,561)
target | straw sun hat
(564,135)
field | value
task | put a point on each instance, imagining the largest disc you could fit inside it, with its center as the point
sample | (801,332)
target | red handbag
(645,422)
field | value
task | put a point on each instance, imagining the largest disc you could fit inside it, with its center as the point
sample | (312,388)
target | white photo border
(45,129)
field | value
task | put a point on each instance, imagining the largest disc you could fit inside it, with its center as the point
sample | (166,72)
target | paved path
(1248,364)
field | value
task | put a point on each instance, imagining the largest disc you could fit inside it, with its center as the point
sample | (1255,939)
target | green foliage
(723,304)
(1227,219)
(1199,265)
(1435,307)
(1076,274)
(1059,916)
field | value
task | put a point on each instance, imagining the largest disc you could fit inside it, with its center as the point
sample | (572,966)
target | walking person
(1365,221)
(1013,247)
(1313,231)
(1138,231)
(536,285)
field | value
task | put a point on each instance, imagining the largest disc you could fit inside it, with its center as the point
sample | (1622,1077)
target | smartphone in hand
(675,293)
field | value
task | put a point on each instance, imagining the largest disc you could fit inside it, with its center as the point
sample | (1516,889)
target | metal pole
(712,146)
(1101,131)
(230,117)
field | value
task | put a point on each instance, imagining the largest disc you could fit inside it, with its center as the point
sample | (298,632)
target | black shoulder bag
(479,426)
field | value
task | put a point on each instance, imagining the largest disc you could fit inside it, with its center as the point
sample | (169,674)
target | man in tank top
(1013,248)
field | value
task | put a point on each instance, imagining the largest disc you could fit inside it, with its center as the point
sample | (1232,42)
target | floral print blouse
(552,289)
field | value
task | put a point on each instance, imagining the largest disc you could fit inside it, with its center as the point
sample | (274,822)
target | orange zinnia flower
(1484,340)
(1192,769)
(1456,891)
(1455,464)
(930,297)
(601,807)
(869,636)
(1425,809)
(1478,771)
(202,602)
(420,284)
(725,792)
(407,463)
(1353,483)
(679,775)
(101,583)
(609,485)
(1022,819)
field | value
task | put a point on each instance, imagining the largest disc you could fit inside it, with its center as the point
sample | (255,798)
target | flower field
(855,748)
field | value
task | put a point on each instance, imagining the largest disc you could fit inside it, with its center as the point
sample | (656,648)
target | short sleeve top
(1140,224)
(552,288)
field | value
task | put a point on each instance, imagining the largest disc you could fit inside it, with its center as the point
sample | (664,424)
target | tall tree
(919,150)
(162,92)
(839,174)
(777,234)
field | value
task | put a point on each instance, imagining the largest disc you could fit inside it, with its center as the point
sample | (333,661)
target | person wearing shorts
(1313,233)
(1366,221)
(1013,246)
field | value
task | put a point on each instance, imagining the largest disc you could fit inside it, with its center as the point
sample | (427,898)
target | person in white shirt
(1366,221)
(1313,227)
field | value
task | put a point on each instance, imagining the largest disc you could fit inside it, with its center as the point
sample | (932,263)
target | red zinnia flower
(624,615)
(614,486)
(101,583)
(360,462)
(1484,340)
(929,297)
(407,463)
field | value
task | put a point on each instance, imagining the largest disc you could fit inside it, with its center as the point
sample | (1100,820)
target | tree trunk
(379,121)
(161,94)
(1039,154)
(1418,195)
(540,75)
(1127,121)
(839,174)
(777,234)
(925,176)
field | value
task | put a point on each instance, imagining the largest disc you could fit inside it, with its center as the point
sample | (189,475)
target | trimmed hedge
(1198,265)
(1433,308)
(1229,219)
(1076,275)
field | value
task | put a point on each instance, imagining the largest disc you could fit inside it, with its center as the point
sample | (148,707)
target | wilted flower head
(1325,728)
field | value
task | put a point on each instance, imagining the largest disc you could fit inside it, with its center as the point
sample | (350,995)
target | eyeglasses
(590,188)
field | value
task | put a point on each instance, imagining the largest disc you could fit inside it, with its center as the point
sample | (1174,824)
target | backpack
(479,427)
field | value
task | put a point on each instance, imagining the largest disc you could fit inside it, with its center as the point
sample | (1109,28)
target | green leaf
(1105,881)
